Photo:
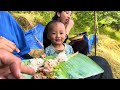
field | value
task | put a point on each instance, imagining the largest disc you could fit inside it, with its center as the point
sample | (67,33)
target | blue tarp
(11,30)
(91,41)
(38,32)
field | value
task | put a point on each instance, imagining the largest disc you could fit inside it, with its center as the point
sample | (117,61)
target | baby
(56,34)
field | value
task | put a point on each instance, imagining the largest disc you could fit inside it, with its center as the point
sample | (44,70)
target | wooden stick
(95,29)
(38,41)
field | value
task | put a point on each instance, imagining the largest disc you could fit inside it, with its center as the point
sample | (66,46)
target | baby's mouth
(58,40)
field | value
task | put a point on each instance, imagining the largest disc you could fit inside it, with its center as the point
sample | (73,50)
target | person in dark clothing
(102,62)
(80,46)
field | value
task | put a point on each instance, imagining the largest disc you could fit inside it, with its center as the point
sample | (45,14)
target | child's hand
(43,55)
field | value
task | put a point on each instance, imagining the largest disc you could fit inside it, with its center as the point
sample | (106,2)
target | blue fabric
(11,30)
(85,38)
(38,32)
(91,41)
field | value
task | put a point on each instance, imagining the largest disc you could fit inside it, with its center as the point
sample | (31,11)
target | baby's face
(57,34)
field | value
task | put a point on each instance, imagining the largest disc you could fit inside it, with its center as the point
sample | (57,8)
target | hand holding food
(11,67)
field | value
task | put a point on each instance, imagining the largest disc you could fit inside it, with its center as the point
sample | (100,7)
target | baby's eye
(61,33)
(53,33)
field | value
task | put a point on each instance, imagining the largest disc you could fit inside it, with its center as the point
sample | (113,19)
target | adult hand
(69,25)
(11,67)
(8,45)
(71,22)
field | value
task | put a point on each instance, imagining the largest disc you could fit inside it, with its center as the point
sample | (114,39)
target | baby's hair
(48,26)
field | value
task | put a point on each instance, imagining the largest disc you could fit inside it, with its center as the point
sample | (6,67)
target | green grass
(110,32)
(110,50)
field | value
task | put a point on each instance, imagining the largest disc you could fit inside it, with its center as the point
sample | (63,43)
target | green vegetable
(78,66)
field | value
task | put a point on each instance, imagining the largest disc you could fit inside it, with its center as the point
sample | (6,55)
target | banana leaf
(77,67)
